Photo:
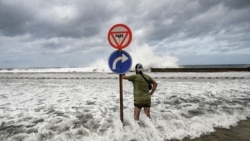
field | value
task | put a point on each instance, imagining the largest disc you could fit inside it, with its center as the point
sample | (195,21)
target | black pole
(121,98)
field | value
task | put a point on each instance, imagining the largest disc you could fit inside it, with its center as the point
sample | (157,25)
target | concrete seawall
(199,69)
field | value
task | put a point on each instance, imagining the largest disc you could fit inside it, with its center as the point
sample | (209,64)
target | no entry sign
(119,36)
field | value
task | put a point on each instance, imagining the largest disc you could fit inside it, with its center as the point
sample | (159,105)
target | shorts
(142,105)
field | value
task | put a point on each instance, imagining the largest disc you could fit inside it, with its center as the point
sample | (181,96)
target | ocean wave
(88,109)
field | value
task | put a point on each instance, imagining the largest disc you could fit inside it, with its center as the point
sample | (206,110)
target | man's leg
(137,113)
(147,111)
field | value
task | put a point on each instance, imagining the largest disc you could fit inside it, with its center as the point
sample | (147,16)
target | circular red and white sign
(119,36)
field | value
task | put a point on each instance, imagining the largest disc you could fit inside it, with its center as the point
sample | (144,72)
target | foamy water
(85,106)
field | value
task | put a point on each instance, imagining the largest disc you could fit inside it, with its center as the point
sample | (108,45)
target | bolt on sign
(119,36)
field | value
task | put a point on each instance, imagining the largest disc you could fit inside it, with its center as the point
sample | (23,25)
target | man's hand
(153,88)
(124,76)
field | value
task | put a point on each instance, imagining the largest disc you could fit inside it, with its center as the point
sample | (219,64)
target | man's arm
(124,76)
(154,87)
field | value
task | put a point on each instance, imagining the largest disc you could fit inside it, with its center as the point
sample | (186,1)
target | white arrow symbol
(123,58)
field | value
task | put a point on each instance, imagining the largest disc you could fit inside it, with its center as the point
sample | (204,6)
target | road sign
(120,62)
(119,36)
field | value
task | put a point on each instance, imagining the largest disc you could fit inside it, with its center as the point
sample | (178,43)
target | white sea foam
(88,108)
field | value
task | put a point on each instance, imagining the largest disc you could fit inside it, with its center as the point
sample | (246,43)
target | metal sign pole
(121,98)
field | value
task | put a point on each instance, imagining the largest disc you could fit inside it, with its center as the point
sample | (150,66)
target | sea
(83,104)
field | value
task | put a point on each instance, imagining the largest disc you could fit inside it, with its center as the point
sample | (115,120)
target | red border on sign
(128,34)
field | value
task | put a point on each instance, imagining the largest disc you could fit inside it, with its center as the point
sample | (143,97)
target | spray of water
(144,55)
(100,65)
(147,56)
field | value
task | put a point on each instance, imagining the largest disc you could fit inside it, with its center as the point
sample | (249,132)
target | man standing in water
(142,92)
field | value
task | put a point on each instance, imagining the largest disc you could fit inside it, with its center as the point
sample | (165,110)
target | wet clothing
(141,91)
(142,105)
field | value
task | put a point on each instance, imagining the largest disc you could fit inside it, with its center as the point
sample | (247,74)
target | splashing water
(147,57)
(85,106)
(141,54)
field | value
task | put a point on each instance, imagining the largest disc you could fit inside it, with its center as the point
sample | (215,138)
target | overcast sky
(73,33)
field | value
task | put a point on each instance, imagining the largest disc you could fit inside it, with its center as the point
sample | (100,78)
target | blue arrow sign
(120,62)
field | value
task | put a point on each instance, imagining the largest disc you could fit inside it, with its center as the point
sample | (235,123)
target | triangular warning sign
(119,37)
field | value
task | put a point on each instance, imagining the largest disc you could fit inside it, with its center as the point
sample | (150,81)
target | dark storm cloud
(54,27)
(13,19)
(80,19)
(237,4)
(62,27)
(196,18)
(227,22)
(86,21)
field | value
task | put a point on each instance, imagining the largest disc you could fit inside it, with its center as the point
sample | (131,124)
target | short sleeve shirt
(141,91)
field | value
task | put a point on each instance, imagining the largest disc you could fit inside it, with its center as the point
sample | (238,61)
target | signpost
(119,37)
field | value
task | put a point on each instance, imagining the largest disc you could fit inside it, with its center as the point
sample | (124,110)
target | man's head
(138,68)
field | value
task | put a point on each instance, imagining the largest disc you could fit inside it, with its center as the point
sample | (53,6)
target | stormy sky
(73,33)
